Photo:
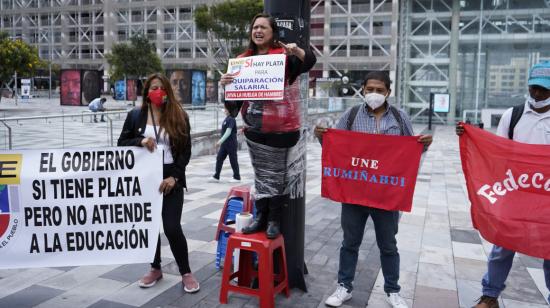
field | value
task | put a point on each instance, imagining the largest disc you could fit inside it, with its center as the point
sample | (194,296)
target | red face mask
(157,97)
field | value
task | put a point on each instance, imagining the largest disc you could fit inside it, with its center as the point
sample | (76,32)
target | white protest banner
(79,207)
(257,78)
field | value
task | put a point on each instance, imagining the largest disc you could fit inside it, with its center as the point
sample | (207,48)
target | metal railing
(71,130)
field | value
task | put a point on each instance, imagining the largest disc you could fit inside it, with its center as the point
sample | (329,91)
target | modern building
(463,47)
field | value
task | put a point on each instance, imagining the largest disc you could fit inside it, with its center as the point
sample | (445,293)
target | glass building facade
(477,51)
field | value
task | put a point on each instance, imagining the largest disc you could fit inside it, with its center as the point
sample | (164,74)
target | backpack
(394,111)
(517,112)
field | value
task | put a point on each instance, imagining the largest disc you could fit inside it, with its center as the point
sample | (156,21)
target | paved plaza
(442,257)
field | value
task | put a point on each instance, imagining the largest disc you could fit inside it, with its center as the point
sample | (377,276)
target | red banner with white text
(509,187)
(371,170)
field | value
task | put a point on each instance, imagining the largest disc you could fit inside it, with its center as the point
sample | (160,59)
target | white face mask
(374,100)
(539,104)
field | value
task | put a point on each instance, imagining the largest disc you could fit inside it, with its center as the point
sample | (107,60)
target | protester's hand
(149,143)
(319,131)
(167,185)
(459,129)
(218,142)
(227,79)
(292,49)
(426,140)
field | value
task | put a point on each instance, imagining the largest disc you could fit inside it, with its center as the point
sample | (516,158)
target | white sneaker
(396,301)
(338,297)
(213,180)
(233,180)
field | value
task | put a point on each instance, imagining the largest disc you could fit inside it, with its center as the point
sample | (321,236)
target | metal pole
(293,212)
(51,58)
(478,56)
(15,87)
(453,63)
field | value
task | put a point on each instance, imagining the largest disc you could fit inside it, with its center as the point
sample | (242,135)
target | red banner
(372,170)
(509,187)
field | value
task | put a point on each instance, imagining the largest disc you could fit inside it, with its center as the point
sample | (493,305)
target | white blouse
(164,140)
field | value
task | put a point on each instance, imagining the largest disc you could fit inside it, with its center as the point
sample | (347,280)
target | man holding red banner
(528,124)
(376,116)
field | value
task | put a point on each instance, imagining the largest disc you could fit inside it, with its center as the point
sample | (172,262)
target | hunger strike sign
(372,170)
(79,207)
(257,78)
(509,187)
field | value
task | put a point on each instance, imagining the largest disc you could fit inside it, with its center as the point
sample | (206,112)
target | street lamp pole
(478,57)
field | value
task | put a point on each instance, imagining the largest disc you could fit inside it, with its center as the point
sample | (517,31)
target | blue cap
(540,75)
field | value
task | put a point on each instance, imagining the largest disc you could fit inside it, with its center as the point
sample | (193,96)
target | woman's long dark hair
(251,45)
(173,116)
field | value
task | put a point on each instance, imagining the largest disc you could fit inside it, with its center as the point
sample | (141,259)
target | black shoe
(95,120)
(273,230)
(256,226)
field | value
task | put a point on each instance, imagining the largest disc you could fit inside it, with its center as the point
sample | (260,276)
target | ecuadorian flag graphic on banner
(10,170)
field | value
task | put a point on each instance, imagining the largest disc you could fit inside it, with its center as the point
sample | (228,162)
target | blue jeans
(353,220)
(498,267)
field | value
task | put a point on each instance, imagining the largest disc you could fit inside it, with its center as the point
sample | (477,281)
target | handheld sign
(79,207)
(257,78)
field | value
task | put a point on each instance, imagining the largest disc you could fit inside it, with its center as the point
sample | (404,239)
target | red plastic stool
(237,191)
(270,283)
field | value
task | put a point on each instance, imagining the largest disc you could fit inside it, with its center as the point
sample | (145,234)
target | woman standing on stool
(161,120)
(272,128)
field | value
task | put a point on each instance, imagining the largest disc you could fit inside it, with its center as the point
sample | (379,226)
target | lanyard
(157,133)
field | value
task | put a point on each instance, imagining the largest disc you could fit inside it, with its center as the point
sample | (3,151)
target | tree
(135,59)
(226,25)
(16,56)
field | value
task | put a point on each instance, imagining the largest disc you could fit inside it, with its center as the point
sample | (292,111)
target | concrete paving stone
(85,294)
(377,300)
(427,297)
(409,260)
(29,297)
(433,237)
(77,276)
(538,277)
(128,273)
(468,292)
(412,219)
(134,295)
(205,234)
(465,236)
(521,287)
(469,251)
(529,261)
(469,269)
(318,259)
(24,279)
(215,215)
(510,303)
(407,281)
(210,247)
(460,219)
(436,255)
(8,272)
(108,304)
(436,276)
(409,237)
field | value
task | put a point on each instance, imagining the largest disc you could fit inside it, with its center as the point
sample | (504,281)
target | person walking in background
(375,116)
(532,127)
(228,143)
(161,120)
(96,105)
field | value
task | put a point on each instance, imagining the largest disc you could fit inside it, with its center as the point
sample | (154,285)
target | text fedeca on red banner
(509,187)
(371,170)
